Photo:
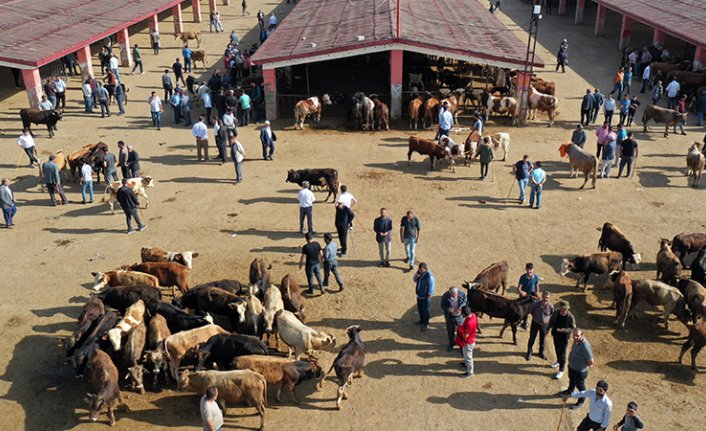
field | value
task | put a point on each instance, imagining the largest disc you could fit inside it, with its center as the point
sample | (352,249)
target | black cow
(209,299)
(86,344)
(614,240)
(92,310)
(177,319)
(320,178)
(594,263)
(494,305)
(688,242)
(223,348)
(121,297)
(49,117)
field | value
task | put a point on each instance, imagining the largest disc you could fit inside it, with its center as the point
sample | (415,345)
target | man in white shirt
(210,412)
(156,110)
(114,67)
(87,96)
(600,407)
(45,104)
(229,120)
(86,182)
(273,22)
(60,91)
(306,200)
(645,78)
(7,203)
(27,143)
(200,132)
(672,93)
(346,198)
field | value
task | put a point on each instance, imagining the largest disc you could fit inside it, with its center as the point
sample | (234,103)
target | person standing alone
(343,222)
(424,290)
(466,339)
(409,236)
(538,178)
(383,236)
(267,139)
(27,143)
(306,202)
(237,153)
(7,203)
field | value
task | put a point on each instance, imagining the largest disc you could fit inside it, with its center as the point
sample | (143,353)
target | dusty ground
(411,380)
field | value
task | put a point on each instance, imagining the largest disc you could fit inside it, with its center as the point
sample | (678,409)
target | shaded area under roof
(317,30)
(36,32)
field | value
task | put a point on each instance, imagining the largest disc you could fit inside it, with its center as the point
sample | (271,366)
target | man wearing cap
(466,339)
(587,107)
(306,201)
(268,139)
(578,136)
(599,410)
(541,312)
(580,360)
(561,324)
(452,302)
(424,290)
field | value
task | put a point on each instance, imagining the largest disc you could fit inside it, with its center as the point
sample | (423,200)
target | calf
(494,305)
(491,278)
(168,273)
(123,278)
(669,117)
(594,263)
(270,306)
(688,242)
(157,333)
(104,382)
(614,240)
(381,113)
(137,185)
(177,319)
(350,361)
(187,35)
(299,337)
(622,296)
(695,295)
(326,178)
(222,349)
(122,297)
(90,340)
(134,316)
(288,373)
(199,55)
(178,345)
(668,264)
(92,310)
(292,296)
(696,341)
(425,147)
(156,254)
(253,316)
(49,117)
(652,293)
(134,346)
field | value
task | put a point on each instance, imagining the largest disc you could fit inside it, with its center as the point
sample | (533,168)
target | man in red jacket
(466,339)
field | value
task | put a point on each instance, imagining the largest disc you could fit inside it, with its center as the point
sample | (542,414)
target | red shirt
(466,332)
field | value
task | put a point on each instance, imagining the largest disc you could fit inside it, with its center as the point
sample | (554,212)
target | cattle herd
(224,333)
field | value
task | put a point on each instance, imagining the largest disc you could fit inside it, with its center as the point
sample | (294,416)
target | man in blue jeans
(538,177)
(522,171)
(409,236)
(311,258)
(424,289)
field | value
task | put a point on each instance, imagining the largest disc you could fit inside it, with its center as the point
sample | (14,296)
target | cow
(501,140)
(123,278)
(381,113)
(546,87)
(134,346)
(208,299)
(237,386)
(364,111)
(668,264)
(594,263)
(669,117)
(87,154)
(221,349)
(104,383)
(687,79)
(695,161)
(622,296)
(614,240)
(187,35)
(180,344)
(134,316)
(431,112)
(662,70)
(494,103)
(580,160)
(695,296)
(493,277)
(425,147)
(199,55)
(122,297)
(688,242)
(301,338)
(309,107)
(177,319)
(494,305)
(49,117)
(89,340)
(292,297)
(414,110)
(168,273)
(156,254)
(288,373)
(229,285)
(91,310)
(470,147)
(270,306)
(137,185)
(651,293)
(542,102)
(253,316)
(453,101)
(157,332)
(326,178)
(695,341)
(349,362)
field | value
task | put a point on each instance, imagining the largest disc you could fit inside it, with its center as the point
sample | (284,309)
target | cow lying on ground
(49,117)
(123,278)
(156,254)
(187,35)
(622,296)
(688,242)
(492,278)
(668,265)
(324,178)
(180,344)
(651,293)
(669,117)
(614,240)
(167,273)
(288,373)
(301,338)
(121,297)
(425,147)
(594,263)
(138,186)
(221,349)
(494,305)
(349,362)
(104,383)
(696,341)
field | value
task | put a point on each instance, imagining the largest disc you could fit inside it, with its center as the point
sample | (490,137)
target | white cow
(300,338)
(134,315)
(138,186)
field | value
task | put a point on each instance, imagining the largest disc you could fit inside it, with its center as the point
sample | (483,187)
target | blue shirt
(186,52)
(624,105)
(622,134)
(609,150)
(527,284)
(446,120)
(627,77)
(330,251)
(522,169)
(538,175)
(425,284)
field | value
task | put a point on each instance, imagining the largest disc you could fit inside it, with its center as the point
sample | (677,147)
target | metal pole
(308,90)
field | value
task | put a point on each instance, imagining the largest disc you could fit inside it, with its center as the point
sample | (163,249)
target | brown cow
(696,341)
(688,242)
(695,296)
(425,147)
(187,35)
(454,100)
(292,297)
(259,276)
(594,263)
(381,113)
(311,106)
(104,382)
(622,296)
(123,278)
(494,103)
(580,160)
(542,102)
(669,117)
(492,277)
(158,332)
(668,265)
(289,373)
(156,254)
(199,55)
(168,273)
(688,79)
(184,343)
(134,346)
(415,111)
(349,362)
(92,310)
(546,87)
(431,112)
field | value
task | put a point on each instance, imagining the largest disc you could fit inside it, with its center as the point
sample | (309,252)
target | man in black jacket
(587,105)
(129,203)
(344,220)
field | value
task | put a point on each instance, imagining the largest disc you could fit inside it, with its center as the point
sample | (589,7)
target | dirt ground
(411,380)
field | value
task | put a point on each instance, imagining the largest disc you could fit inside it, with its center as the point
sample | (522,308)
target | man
(44,104)
(618,82)
(129,204)
(154,37)
(409,236)
(537,178)
(245,106)
(580,360)
(657,92)
(244,6)
(156,110)
(211,414)
(138,60)
(206,101)
(330,261)
(185,107)
(260,20)
(102,96)
(237,153)
(541,312)
(175,101)
(229,121)
(87,91)
(119,94)
(562,323)
(123,154)
(26,142)
(268,139)
(628,154)
(486,156)
(632,109)
(624,108)
(186,53)
(346,197)
(133,162)
(522,169)
(312,254)
(452,302)
(609,150)
(109,170)
(60,92)
(273,21)
(466,339)
(200,132)
(587,107)
(700,106)
(234,39)
(306,202)
(598,102)
(601,134)
(627,81)
(528,283)
(343,222)
(672,93)
(257,100)
(629,422)
(424,290)
(114,66)
(86,182)
(478,124)
(7,203)
(681,108)
(578,136)
(609,109)
(446,120)
(599,410)
(562,58)
(178,70)
(645,78)
(382,226)
(167,84)
(50,92)
(52,179)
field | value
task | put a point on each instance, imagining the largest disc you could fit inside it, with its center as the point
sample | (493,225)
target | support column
(562,7)
(125,52)
(599,30)
(176,13)
(85,62)
(699,57)
(625,32)
(33,85)
(269,77)
(153,23)
(211,6)
(659,37)
(522,94)
(196,8)
(580,6)
(396,57)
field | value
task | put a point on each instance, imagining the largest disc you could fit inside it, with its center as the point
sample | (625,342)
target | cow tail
(105,192)
(264,393)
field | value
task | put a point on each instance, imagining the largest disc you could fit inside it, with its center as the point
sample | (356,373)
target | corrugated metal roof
(684,19)
(36,32)
(460,28)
